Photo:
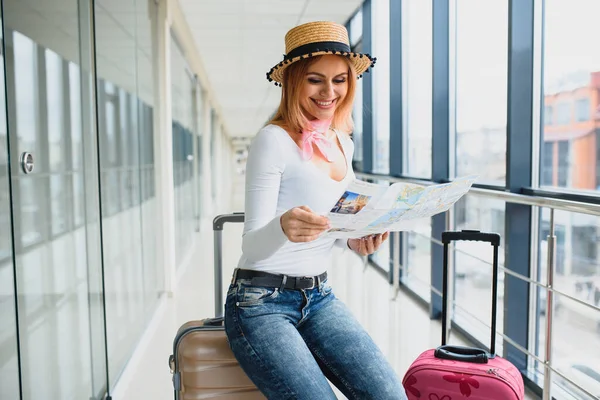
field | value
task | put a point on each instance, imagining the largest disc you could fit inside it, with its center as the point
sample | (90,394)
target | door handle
(27,162)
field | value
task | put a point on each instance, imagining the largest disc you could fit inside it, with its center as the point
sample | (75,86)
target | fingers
(305,214)
(362,248)
(377,241)
(301,224)
(370,245)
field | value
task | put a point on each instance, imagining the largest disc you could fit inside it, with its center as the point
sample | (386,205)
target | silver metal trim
(218,272)
(549,308)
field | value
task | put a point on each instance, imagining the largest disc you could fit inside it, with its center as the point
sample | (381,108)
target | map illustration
(392,208)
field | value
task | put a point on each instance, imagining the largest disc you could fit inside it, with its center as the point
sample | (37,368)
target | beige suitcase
(202,363)
(204,367)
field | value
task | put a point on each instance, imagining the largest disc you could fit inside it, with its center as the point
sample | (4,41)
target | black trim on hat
(316,47)
(312,49)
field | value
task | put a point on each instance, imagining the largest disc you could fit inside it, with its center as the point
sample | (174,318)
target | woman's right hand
(301,224)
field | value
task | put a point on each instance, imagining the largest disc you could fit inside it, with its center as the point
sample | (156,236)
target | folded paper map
(366,208)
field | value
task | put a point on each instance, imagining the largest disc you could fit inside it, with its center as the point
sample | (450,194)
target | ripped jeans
(288,342)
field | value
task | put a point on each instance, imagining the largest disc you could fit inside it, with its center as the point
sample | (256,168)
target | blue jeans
(288,342)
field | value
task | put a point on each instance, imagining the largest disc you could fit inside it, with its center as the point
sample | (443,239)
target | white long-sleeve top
(277,180)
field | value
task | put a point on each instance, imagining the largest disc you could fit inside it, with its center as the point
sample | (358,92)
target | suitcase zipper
(487,373)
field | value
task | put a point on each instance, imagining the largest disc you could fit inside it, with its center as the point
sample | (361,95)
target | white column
(163,149)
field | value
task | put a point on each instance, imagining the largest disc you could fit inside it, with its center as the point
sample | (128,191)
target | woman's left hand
(367,244)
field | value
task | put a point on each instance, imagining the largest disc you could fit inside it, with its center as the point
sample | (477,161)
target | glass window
(182,85)
(571,83)
(9,368)
(357,116)
(563,163)
(481,89)
(356,31)
(563,113)
(547,163)
(55,104)
(473,268)
(26,97)
(576,325)
(417,83)
(58,198)
(153,271)
(128,245)
(556,169)
(381,86)
(582,110)
(382,257)
(416,273)
(356,28)
(75,107)
(548,115)
(55,95)
(32,215)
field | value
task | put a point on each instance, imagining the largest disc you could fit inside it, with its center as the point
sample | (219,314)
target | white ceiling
(240,40)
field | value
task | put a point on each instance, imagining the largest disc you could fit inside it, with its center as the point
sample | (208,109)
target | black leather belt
(259,278)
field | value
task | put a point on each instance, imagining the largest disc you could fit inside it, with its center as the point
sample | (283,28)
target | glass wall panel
(417,82)
(481,89)
(214,126)
(417,260)
(9,363)
(198,172)
(357,112)
(183,114)
(473,267)
(381,86)
(34,224)
(125,102)
(383,256)
(60,319)
(570,142)
(576,324)
(146,14)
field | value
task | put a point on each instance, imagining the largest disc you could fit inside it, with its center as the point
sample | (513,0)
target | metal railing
(557,204)
(534,201)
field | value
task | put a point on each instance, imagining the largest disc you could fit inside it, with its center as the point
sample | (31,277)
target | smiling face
(324,87)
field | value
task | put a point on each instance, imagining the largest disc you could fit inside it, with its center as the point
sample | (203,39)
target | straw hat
(314,39)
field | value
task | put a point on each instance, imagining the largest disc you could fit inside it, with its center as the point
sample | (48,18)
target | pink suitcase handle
(471,235)
(462,353)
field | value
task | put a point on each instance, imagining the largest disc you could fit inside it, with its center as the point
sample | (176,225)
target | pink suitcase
(457,372)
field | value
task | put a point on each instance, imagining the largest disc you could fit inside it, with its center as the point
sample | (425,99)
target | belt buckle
(312,280)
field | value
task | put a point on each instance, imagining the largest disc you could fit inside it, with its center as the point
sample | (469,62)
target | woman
(284,324)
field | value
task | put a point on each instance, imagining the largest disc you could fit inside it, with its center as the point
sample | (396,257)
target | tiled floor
(400,326)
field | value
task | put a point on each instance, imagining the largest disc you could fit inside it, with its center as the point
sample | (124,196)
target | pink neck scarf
(316,135)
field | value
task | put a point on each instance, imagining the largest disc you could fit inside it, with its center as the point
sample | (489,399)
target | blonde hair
(289,113)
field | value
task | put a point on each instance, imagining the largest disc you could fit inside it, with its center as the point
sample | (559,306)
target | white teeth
(323,103)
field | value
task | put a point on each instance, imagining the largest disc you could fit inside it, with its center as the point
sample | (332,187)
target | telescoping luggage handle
(457,352)
(218,223)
